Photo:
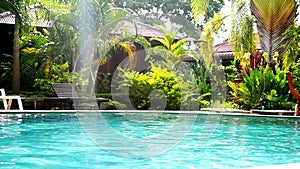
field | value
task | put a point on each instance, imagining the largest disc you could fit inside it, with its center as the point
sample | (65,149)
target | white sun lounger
(7,105)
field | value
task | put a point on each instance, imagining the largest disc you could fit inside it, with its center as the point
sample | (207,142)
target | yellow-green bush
(171,87)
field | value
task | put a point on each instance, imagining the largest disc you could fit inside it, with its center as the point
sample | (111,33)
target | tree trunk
(16,59)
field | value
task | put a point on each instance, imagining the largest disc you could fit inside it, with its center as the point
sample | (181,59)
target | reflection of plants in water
(145,124)
(144,116)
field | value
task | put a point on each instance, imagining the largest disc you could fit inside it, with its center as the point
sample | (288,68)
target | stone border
(229,112)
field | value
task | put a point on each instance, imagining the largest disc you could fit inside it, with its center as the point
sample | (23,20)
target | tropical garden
(264,37)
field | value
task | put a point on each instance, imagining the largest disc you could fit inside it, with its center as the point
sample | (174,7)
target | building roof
(229,47)
(224,47)
(134,27)
(224,51)
(139,28)
(9,18)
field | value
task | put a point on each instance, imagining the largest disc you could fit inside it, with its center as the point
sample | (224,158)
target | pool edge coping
(201,112)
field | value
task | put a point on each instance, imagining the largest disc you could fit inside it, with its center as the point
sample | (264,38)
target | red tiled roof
(224,47)
(222,51)
(229,47)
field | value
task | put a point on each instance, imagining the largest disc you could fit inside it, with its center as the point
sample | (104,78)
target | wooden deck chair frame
(66,93)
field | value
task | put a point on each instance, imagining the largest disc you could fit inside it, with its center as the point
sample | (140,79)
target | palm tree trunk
(16,59)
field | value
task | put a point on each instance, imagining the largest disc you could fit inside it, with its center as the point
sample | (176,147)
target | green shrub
(231,71)
(111,105)
(262,88)
(161,85)
(58,73)
(295,69)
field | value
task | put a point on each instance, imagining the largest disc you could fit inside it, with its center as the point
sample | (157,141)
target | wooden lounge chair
(7,105)
(64,90)
(65,93)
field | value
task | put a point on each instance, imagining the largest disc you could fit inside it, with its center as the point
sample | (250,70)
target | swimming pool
(58,140)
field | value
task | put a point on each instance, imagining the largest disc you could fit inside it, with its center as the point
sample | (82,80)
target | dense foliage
(149,90)
(159,8)
(262,89)
(295,69)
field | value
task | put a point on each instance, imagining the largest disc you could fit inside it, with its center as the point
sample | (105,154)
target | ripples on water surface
(58,141)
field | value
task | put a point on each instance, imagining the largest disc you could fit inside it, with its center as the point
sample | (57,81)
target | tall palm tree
(273,19)
(18,8)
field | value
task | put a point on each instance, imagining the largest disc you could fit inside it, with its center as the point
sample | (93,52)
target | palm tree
(273,19)
(97,21)
(172,50)
(18,8)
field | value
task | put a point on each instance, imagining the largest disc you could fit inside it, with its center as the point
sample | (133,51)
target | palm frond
(163,41)
(137,39)
(158,53)
(199,7)
(114,15)
(273,19)
(180,43)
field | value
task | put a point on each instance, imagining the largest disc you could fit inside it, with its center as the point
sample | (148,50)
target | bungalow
(223,51)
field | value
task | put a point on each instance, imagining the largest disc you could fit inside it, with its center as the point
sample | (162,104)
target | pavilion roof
(222,51)
(9,18)
(134,27)
(139,28)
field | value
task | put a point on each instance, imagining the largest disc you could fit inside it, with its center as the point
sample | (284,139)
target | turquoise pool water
(59,141)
